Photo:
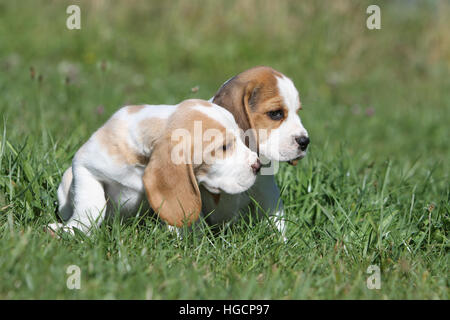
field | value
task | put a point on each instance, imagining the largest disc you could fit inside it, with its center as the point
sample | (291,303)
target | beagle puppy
(155,156)
(265,103)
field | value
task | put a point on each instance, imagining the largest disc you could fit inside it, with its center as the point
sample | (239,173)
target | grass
(373,189)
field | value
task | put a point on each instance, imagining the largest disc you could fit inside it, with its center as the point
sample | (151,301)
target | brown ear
(239,98)
(250,99)
(234,95)
(171,189)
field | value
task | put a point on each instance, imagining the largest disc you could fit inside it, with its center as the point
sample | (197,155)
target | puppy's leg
(64,198)
(89,204)
(278,218)
(267,194)
(64,201)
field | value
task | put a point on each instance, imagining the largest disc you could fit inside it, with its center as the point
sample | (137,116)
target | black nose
(303,142)
(256,166)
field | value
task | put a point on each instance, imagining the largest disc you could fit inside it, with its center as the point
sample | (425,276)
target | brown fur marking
(135,109)
(195,102)
(150,129)
(113,137)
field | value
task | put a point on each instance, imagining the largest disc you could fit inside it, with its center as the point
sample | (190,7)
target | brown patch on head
(260,116)
(113,136)
(194,102)
(135,109)
(250,95)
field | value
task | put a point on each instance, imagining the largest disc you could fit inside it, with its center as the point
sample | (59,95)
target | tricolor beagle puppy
(159,153)
(265,102)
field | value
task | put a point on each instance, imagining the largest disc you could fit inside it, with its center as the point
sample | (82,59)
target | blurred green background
(375,102)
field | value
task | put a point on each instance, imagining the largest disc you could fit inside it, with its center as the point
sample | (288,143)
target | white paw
(54,228)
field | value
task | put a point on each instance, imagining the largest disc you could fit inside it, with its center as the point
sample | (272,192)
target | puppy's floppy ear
(235,96)
(171,189)
(250,99)
(240,97)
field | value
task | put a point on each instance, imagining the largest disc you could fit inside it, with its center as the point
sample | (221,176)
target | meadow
(373,189)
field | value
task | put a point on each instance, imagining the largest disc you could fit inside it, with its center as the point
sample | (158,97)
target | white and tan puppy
(155,155)
(265,103)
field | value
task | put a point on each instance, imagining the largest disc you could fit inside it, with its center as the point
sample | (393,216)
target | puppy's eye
(276,115)
(227,146)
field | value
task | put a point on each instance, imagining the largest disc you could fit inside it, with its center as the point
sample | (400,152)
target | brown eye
(276,115)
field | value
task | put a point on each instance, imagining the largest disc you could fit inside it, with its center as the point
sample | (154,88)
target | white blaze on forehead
(289,93)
